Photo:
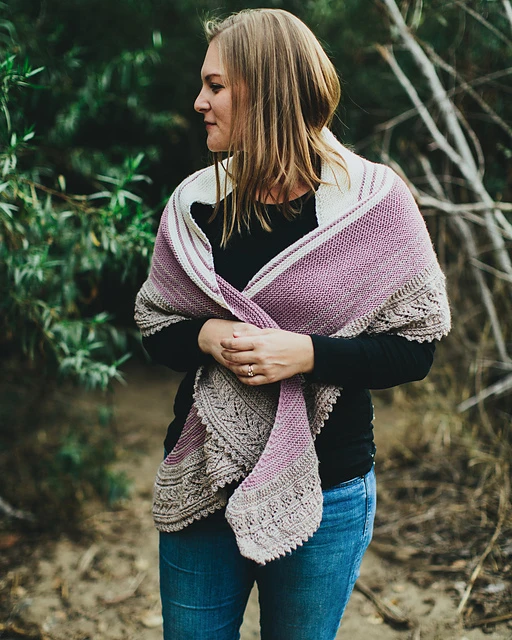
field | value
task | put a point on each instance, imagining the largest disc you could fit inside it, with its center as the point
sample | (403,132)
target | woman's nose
(201,104)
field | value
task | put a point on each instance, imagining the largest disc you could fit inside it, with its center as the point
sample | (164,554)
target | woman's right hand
(211,334)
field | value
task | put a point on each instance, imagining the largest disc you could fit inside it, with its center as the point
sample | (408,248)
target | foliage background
(97,128)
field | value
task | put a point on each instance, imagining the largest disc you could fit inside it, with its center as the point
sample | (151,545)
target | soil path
(107,588)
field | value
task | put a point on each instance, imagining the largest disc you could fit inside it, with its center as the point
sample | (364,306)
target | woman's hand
(211,334)
(269,354)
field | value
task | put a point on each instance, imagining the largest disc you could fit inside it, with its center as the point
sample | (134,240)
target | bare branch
(466,162)
(11,512)
(432,178)
(508,10)
(502,220)
(438,91)
(496,389)
(492,270)
(474,139)
(410,113)
(465,86)
(472,250)
(485,292)
(483,21)
(427,202)
(439,138)
(461,208)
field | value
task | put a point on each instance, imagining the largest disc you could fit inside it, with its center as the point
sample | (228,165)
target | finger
(241,371)
(245,329)
(251,372)
(240,326)
(238,357)
(254,381)
(238,344)
(244,371)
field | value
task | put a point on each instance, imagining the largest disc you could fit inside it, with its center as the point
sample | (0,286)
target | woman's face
(214,101)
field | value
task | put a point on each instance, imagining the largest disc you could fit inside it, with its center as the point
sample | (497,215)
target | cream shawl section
(368,267)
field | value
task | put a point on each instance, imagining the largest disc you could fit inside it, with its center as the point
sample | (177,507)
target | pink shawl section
(368,267)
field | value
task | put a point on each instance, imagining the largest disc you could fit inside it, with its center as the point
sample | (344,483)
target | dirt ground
(106,588)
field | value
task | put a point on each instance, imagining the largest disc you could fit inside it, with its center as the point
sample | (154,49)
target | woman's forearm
(176,346)
(371,362)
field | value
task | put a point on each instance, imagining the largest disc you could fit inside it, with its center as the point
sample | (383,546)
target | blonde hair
(285,90)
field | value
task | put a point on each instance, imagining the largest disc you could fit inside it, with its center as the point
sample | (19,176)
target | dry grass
(445,499)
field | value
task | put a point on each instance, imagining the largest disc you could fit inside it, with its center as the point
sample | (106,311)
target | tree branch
(410,113)
(472,250)
(461,155)
(508,10)
(483,21)
(422,110)
(465,86)
(492,270)
(496,389)
(427,202)
(461,208)
(11,512)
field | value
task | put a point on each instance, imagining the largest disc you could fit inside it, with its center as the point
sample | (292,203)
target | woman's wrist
(308,351)
(202,339)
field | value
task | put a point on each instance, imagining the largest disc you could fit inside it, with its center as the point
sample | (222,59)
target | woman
(286,280)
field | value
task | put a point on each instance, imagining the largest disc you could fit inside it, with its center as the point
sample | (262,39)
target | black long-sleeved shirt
(345,446)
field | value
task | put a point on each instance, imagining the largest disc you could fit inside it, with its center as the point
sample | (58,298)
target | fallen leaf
(141,564)
(8,540)
(375,619)
(498,587)
(152,620)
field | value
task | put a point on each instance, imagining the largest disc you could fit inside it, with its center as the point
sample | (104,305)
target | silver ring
(250,372)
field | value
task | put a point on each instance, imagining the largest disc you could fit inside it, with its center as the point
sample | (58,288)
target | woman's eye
(216,87)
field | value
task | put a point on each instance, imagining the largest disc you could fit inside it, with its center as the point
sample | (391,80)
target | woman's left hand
(269,354)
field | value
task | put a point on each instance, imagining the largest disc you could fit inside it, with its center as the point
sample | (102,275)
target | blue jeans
(205,582)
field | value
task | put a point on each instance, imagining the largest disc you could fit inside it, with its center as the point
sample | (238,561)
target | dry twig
(482,20)
(389,613)
(494,620)
(416,635)
(11,628)
(11,512)
(137,581)
(87,559)
(502,512)
(496,389)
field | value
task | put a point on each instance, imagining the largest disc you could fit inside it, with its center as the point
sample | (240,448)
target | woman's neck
(275,196)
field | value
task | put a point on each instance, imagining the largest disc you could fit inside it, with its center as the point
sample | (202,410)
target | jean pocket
(346,484)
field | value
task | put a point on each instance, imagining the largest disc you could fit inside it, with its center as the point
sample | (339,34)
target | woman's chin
(216,146)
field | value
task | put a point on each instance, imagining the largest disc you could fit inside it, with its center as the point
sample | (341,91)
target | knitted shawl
(369,267)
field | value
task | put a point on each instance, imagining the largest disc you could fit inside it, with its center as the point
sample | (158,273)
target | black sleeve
(176,346)
(371,362)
